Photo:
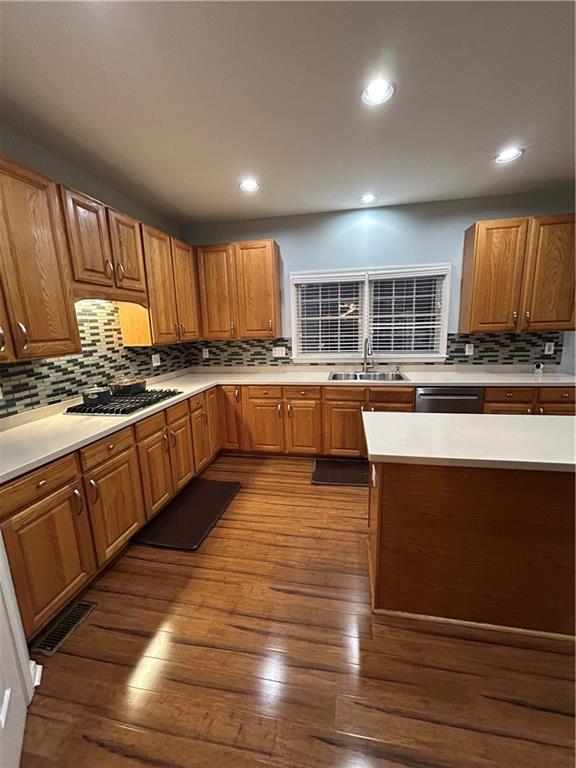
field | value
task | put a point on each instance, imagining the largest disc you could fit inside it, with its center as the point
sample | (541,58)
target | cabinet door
(509,408)
(154,458)
(88,238)
(51,556)
(213,412)
(342,429)
(127,252)
(549,283)
(258,289)
(231,404)
(303,425)
(181,452)
(200,439)
(391,407)
(498,267)
(115,503)
(34,263)
(560,409)
(6,344)
(217,279)
(265,424)
(186,285)
(161,291)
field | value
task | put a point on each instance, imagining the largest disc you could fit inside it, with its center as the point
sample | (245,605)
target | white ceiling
(175,102)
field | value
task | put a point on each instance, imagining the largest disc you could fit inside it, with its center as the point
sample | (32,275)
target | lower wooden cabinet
(154,457)
(231,417)
(115,502)
(200,438)
(213,411)
(342,431)
(264,422)
(303,426)
(50,551)
(544,401)
(509,408)
(556,409)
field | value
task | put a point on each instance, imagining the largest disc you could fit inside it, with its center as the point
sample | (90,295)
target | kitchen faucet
(367,352)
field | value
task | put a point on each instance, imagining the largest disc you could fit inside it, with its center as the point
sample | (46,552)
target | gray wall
(409,234)
(23,150)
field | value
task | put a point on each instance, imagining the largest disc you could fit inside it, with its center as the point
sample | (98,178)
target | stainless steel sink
(371,376)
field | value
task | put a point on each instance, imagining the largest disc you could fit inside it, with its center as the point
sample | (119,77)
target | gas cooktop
(120,405)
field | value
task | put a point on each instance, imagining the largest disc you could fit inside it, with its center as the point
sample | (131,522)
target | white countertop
(28,446)
(472,440)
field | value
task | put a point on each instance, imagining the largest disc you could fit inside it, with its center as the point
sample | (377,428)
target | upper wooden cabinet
(127,253)
(518,274)
(549,284)
(173,314)
(258,289)
(240,290)
(6,343)
(34,262)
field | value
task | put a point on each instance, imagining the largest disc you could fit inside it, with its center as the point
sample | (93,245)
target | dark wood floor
(261,650)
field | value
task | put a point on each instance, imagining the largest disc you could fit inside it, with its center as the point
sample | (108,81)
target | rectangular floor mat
(340,472)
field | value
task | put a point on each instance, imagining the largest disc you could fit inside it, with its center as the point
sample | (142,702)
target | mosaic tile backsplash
(35,383)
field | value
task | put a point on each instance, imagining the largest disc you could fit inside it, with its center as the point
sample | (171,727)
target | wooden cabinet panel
(198,402)
(107,448)
(50,552)
(342,432)
(556,409)
(88,237)
(509,408)
(398,395)
(149,426)
(181,452)
(161,289)
(302,393)
(186,284)
(509,394)
(357,394)
(127,252)
(265,424)
(266,391)
(549,283)
(200,439)
(492,275)
(303,424)
(556,394)
(217,279)
(155,469)
(231,404)
(34,261)
(115,502)
(258,287)
(214,421)
(6,344)
(391,407)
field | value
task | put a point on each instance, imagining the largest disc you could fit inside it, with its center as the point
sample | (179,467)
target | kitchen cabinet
(181,450)
(257,265)
(49,548)
(549,282)
(6,343)
(542,401)
(200,438)
(161,288)
(263,412)
(231,421)
(186,286)
(127,251)
(509,408)
(217,280)
(213,413)
(518,274)
(303,426)
(115,503)
(391,399)
(342,430)
(34,265)
(240,290)
(155,469)
(87,228)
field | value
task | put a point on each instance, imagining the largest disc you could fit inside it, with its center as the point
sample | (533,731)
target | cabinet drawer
(197,402)
(391,395)
(307,393)
(106,448)
(38,484)
(150,425)
(509,394)
(177,411)
(355,394)
(556,395)
(258,392)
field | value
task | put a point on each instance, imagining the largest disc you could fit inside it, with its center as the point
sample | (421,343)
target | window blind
(406,314)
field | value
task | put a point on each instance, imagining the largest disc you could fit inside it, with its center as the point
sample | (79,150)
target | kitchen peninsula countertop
(31,445)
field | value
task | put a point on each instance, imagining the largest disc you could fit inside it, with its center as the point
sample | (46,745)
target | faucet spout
(367,352)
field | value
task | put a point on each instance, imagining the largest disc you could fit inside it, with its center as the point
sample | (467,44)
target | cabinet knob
(232,327)
(527,314)
(514,315)
(111,446)
(508,394)
(564,394)
(302,391)
(269,325)
(529,410)
(541,410)
(41,483)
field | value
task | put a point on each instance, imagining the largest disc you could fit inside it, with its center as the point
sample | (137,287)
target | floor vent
(48,643)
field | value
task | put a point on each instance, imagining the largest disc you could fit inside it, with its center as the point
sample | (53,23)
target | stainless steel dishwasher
(449,400)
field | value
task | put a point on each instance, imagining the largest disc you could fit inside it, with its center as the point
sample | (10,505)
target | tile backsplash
(34,383)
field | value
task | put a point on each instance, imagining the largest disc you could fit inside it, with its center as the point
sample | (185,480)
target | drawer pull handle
(24,332)
(80,500)
(205,419)
(279,407)
(514,315)
(564,394)
(41,483)
(527,315)
(529,411)
(165,438)
(237,394)
(508,394)
(264,391)
(177,326)
(111,446)
(120,271)
(173,436)
(269,325)
(94,485)
(109,269)
(2,339)
(289,409)
(232,327)
(541,411)
(182,330)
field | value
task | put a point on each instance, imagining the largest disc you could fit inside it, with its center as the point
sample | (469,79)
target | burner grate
(121,405)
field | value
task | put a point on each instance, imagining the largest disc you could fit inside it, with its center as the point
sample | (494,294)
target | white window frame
(366,275)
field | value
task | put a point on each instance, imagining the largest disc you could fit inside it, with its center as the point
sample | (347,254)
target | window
(403,310)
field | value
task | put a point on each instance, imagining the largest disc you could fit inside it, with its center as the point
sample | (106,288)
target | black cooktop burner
(120,405)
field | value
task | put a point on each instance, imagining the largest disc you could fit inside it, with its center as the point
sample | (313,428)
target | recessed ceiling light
(368,198)
(249,185)
(509,154)
(377,92)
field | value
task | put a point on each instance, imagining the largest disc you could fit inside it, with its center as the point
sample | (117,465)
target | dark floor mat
(190,517)
(340,472)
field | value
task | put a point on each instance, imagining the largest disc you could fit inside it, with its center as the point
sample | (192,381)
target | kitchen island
(472,519)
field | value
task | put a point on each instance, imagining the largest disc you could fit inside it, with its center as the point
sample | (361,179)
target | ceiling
(175,102)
